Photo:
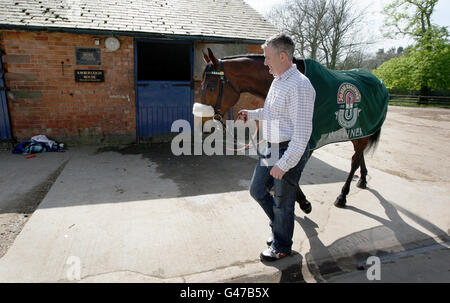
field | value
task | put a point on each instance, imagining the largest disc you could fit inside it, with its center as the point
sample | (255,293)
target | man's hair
(281,43)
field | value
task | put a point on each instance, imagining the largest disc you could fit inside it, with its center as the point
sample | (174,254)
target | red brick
(58,112)
(90,109)
(255,49)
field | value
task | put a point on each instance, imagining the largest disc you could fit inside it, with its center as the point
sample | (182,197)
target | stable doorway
(164,86)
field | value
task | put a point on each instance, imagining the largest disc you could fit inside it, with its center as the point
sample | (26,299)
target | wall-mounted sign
(89,75)
(88,56)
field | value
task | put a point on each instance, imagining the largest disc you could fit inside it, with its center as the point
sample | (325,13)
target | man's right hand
(242,115)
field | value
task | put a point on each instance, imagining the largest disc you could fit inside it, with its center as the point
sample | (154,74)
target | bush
(421,66)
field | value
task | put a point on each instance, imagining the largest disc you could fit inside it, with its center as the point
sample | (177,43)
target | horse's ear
(213,58)
(205,57)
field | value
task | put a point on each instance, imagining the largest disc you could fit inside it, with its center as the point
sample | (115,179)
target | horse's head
(218,94)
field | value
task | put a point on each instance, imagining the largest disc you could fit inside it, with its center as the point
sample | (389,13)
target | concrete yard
(141,214)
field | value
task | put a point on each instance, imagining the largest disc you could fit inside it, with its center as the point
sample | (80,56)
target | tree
(324,30)
(413,18)
(418,68)
(303,21)
(340,32)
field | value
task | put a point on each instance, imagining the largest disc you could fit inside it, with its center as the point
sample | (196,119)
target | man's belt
(281,144)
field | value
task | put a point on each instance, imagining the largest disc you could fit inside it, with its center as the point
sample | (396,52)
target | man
(290,105)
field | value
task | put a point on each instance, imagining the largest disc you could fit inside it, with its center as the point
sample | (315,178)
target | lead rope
(245,146)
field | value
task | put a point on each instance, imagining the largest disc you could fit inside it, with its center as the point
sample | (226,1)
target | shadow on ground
(202,174)
(324,260)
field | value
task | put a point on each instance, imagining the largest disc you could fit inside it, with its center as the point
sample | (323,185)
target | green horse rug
(349,104)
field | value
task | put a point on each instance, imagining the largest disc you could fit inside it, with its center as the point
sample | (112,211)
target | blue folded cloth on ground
(33,147)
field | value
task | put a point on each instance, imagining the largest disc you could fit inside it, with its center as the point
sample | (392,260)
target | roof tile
(209,18)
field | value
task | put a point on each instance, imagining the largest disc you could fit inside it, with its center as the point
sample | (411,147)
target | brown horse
(223,82)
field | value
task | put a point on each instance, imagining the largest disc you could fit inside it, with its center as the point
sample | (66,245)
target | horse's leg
(362,183)
(304,204)
(359,146)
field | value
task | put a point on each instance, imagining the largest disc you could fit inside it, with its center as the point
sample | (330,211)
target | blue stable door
(164,86)
(5,128)
(160,104)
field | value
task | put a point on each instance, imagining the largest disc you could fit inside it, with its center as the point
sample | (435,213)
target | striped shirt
(287,114)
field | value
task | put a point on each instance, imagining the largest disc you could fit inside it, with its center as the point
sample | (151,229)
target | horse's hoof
(340,202)
(305,206)
(362,184)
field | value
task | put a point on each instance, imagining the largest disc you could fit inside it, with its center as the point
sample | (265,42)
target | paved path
(143,215)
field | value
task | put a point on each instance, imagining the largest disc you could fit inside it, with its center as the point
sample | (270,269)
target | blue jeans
(280,206)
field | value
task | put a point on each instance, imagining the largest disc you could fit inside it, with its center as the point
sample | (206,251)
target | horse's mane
(299,62)
(249,56)
(256,57)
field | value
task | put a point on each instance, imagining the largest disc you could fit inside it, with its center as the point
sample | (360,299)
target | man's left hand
(277,172)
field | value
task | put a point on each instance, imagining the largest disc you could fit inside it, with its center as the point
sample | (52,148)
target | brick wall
(43,97)
(255,49)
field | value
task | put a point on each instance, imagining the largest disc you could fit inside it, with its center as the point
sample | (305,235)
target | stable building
(110,71)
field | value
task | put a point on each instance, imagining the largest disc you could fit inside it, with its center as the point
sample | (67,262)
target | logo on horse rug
(348,99)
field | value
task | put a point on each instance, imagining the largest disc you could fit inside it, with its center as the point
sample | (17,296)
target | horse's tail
(373,141)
